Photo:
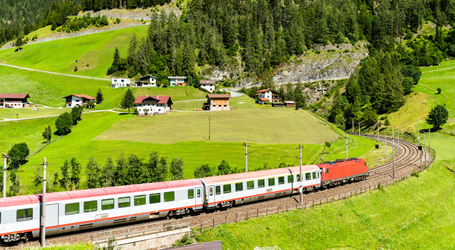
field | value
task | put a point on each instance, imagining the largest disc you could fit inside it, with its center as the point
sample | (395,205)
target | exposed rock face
(336,64)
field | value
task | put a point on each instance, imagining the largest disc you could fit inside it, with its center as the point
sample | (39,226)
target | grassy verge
(92,54)
(411,214)
(29,112)
(77,246)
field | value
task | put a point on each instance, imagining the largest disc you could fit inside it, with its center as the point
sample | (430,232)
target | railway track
(407,160)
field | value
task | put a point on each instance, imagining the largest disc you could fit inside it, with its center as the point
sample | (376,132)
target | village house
(120,82)
(14,100)
(208,85)
(147,81)
(268,95)
(217,102)
(78,100)
(177,81)
(153,104)
(289,104)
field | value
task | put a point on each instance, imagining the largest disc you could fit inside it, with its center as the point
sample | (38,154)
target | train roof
(340,163)
(257,174)
(88,193)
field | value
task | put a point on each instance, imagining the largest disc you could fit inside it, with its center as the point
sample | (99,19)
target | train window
(218,189)
(198,193)
(250,185)
(190,193)
(327,171)
(280,180)
(155,198)
(0,218)
(238,187)
(227,188)
(72,208)
(261,183)
(26,214)
(314,175)
(290,179)
(139,200)
(308,176)
(90,206)
(211,191)
(298,177)
(169,196)
(124,202)
(319,175)
(272,182)
(107,204)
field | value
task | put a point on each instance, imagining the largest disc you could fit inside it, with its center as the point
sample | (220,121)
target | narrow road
(54,73)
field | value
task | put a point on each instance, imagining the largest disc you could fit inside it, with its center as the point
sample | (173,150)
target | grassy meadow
(92,54)
(49,89)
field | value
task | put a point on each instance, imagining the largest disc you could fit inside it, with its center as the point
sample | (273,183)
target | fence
(140,230)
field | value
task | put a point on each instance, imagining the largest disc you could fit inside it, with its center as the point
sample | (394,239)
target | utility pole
(210,118)
(4,175)
(378,133)
(347,155)
(43,216)
(359,128)
(385,142)
(301,177)
(402,138)
(393,152)
(246,158)
(377,150)
(353,126)
(429,142)
(425,146)
(418,135)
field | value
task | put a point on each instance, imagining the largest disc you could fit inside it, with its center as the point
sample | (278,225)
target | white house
(147,81)
(268,95)
(14,100)
(177,80)
(78,100)
(120,82)
(153,104)
(208,85)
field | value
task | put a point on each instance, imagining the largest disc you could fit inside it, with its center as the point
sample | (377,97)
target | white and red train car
(20,217)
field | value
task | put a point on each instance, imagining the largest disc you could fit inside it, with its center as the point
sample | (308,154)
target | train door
(198,196)
(51,215)
(211,194)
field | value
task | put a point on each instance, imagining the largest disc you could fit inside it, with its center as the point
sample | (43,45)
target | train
(73,211)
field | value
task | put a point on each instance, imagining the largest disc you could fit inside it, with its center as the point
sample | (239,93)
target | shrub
(439,90)
(64,123)
(75,68)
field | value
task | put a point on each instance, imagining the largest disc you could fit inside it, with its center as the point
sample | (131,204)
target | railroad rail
(408,160)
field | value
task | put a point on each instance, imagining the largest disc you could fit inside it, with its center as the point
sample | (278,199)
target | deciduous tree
(438,116)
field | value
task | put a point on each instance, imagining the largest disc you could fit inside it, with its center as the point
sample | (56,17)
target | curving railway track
(408,159)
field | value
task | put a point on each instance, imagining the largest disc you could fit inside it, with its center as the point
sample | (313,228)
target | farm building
(268,95)
(289,104)
(78,100)
(217,102)
(14,100)
(208,85)
(120,82)
(147,105)
(177,80)
(278,105)
(147,81)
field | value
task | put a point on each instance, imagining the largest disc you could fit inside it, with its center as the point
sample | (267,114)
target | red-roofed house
(14,100)
(153,104)
(268,95)
(78,100)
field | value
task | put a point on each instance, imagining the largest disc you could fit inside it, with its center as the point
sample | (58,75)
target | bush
(439,90)
(75,68)
(135,111)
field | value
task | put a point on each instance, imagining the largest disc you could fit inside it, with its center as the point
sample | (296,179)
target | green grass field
(48,89)
(81,144)
(29,112)
(92,54)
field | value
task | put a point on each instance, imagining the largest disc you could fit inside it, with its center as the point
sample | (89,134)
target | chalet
(208,85)
(78,100)
(289,104)
(120,82)
(147,81)
(153,104)
(177,81)
(217,102)
(278,105)
(268,95)
(14,100)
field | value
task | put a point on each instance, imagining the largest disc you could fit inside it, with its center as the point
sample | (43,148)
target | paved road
(55,73)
